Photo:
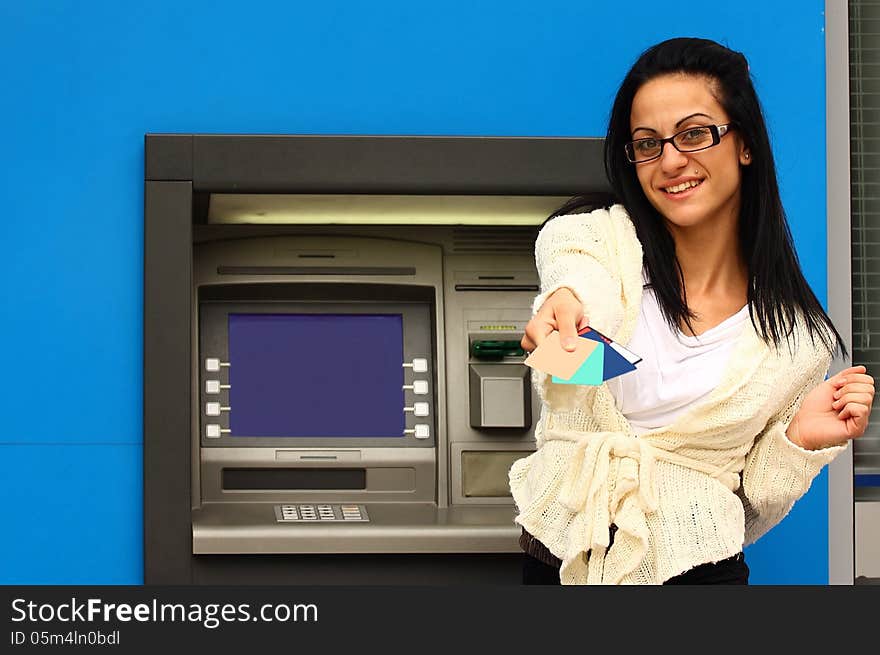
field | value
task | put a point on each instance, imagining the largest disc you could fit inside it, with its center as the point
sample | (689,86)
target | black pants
(732,570)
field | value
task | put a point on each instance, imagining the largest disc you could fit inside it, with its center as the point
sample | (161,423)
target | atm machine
(334,389)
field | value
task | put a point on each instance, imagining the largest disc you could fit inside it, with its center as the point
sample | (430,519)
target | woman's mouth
(682,190)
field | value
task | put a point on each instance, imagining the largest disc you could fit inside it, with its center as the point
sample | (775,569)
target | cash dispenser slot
(293,479)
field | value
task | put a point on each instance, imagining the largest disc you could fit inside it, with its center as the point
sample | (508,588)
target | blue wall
(84,82)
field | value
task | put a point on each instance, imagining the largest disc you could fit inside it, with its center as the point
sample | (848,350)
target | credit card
(550,357)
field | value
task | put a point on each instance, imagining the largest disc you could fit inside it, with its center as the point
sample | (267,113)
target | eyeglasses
(690,140)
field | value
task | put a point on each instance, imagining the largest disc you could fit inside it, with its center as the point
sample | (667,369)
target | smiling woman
(697,181)
(663,475)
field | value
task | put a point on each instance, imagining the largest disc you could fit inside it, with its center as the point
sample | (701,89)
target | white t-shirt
(676,371)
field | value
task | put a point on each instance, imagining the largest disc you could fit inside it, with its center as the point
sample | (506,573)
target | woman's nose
(671,159)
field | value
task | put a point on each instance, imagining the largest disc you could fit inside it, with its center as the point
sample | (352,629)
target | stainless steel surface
(230,528)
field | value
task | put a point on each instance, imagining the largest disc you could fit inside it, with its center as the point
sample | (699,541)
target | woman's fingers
(538,328)
(562,311)
(865,399)
(859,414)
(858,389)
(851,372)
(567,318)
(535,334)
(850,387)
(854,396)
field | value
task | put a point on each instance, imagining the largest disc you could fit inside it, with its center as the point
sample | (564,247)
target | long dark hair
(777,288)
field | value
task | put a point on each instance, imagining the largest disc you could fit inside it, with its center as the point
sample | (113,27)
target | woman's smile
(682,188)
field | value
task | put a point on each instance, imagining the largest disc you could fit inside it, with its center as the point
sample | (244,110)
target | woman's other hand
(836,411)
(561,311)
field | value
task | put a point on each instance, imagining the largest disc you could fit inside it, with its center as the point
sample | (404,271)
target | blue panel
(796,550)
(99,75)
(71,514)
(327,375)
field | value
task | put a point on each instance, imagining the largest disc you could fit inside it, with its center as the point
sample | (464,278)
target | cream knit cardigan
(695,491)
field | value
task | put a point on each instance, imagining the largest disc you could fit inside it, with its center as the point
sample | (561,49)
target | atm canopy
(405,165)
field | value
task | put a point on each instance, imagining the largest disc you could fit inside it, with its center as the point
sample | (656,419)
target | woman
(664,474)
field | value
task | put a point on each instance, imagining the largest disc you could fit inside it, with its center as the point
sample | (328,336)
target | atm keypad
(321,513)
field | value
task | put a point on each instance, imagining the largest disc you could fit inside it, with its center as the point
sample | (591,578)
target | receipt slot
(334,389)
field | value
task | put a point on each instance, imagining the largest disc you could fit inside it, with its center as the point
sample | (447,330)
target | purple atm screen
(316,375)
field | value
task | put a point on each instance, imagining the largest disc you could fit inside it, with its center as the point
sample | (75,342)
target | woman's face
(688,188)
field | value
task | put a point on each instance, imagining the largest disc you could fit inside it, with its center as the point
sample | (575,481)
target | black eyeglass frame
(717,131)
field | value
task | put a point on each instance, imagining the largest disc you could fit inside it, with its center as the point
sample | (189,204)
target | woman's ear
(745,157)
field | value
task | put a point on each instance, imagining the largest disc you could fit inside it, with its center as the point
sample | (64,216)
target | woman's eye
(646,145)
(696,135)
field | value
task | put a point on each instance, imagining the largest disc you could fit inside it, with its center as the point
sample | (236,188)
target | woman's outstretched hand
(561,311)
(836,411)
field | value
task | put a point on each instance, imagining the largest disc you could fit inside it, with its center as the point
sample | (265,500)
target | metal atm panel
(248,238)
(316,476)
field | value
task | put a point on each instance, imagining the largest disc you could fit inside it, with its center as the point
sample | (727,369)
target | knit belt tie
(610,480)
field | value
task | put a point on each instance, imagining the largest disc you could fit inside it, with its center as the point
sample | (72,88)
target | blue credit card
(617,359)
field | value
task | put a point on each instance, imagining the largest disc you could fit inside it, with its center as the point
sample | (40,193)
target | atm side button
(420,431)
(215,409)
(418,365)
(212,364)
(419,409)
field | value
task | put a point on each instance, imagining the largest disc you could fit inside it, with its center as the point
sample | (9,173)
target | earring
(747,155)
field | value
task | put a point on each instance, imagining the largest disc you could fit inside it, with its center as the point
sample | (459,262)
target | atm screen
(316,375)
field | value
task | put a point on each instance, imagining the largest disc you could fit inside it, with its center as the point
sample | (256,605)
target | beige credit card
(550,357)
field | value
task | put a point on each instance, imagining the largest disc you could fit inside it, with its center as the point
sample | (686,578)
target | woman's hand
(836,411)
(561,311)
